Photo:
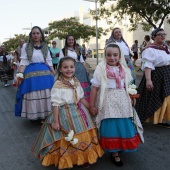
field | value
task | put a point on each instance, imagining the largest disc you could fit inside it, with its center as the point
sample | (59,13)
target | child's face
(112,56)
(68,69)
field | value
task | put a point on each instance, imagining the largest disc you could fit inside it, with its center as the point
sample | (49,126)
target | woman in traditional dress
(80,73)
(36,78)
(116,37)
(154,87)
(6,72)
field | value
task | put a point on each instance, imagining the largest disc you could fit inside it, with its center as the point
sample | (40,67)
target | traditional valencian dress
(33,94)
(6,73)
(51,147)
(155,103)
(115,113)
(80,72)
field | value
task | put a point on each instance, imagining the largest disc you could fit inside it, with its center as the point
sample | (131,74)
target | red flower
(57,55)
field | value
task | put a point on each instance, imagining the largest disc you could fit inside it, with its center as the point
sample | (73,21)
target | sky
(15,15)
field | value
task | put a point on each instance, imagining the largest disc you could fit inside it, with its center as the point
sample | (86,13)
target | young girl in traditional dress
(111,104)
(70,112)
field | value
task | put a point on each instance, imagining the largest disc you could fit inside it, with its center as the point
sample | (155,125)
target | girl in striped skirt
(68,136)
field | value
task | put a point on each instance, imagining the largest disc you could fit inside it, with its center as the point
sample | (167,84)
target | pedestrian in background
(71,50)
(6,71)
(135,51)
(35,78)
(111,105)
(154,88)
(55,51)
(70,113)
(116,37)
(16,60)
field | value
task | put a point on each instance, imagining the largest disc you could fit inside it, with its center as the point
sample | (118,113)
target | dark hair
(42,34)
(30,44)
(61,62)
(155,31)
(113,46)
(147,38)
(66,44)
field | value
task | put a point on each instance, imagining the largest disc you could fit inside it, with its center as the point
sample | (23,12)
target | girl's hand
(19,80)
(56,126)
(149,84)
(133,101)
(93,110)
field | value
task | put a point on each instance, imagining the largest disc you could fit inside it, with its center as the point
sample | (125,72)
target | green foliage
(149,13)
(72,26)
(13,43)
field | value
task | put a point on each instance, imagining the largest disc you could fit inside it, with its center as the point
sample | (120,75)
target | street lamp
(96,25)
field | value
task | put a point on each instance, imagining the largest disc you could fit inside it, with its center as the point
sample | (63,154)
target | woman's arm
(149,84)
(93,109)
(56,124)
(52,70)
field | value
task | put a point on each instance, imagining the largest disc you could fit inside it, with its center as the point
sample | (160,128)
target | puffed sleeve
(56,97)
(81,59)
(24,58)
(148,59)
(49,59)
(96,80)
(80,92)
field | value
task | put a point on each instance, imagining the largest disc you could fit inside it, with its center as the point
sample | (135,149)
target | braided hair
(30,45)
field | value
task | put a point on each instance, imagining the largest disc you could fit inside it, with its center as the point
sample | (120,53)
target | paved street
(17,136)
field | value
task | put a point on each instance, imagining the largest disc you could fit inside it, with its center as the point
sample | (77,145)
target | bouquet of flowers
(70,138)
(57,55)
(132,91)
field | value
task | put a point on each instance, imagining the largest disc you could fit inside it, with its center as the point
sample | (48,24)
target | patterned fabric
(82,75)
(150,101)
(118,106)
(130,65)
(52,148)
(111,74)
(37,78)
(118,134)
(40,99)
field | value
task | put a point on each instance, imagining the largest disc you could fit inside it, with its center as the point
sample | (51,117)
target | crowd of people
(82,118)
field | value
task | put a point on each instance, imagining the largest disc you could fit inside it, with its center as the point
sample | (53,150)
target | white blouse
(73,55)
(123,47)
(7,56)
(111,83)
(63,96)
(152,58)
(37,57)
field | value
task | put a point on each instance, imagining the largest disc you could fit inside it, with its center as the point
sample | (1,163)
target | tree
(13,43)
(71,25)
(149,13)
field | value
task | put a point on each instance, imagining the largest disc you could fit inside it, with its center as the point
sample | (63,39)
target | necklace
(38,47)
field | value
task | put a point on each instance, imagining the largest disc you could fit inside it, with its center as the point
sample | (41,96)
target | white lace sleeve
(148,59)
(24,60)
(49,59)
